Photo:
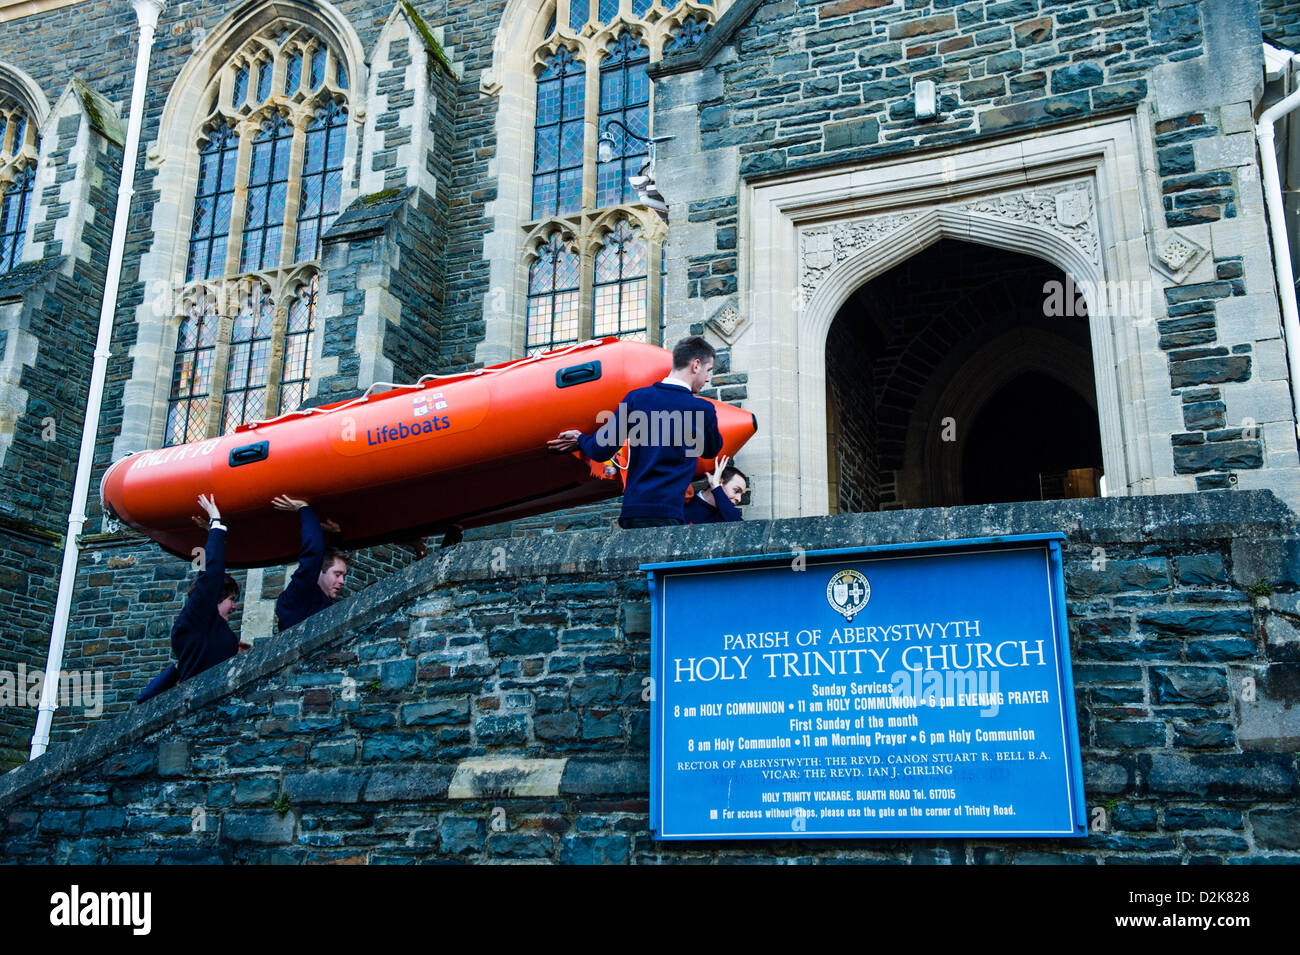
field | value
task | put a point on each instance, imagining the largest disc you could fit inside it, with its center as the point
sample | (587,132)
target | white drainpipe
(1281,246)
(146,12)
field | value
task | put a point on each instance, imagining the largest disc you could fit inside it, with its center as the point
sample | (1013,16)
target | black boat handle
(249,453)
(577,374)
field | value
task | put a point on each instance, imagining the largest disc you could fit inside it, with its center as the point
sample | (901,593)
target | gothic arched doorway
(952,379)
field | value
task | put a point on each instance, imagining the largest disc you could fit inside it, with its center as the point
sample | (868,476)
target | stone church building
(951,253)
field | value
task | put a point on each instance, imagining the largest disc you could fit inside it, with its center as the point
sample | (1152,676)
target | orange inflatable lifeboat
(466,450)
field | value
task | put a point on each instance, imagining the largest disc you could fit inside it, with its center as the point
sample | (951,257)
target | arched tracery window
(594,251)
(270,176)
(18,151)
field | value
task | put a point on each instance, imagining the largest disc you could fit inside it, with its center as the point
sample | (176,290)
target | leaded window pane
(553,297)
(213,198)
(608,10)
(268,176)
(688,35)
(249,361)
(292,73)
(620,288)
(192,373)
(558,141)
(239,89)
(579,14)
(317,75)
(625,100)
(322,179)
(264,72)
(297,348)
(13,218)
(639,7)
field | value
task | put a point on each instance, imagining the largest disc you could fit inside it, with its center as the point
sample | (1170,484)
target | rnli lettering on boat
(403,430)
(183,452)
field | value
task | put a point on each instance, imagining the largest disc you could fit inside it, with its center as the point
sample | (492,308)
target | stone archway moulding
(1075,198)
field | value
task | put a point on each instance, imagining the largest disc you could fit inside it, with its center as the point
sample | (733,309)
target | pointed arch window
(557,164)
(554,283)
(620,284)
(624,102)
(269,184)
(18,151)
(187,415)
(591,84)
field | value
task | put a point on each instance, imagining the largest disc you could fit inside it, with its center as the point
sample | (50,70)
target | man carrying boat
(720,501)
(319,576)
(201,636)
(666,429)
(315,583)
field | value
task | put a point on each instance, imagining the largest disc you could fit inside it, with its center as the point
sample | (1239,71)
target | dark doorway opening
(952,379)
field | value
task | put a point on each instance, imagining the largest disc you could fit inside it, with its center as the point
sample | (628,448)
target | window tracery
(594,251)
(270,177)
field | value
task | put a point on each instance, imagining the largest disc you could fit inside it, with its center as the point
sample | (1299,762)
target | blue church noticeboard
(915,690)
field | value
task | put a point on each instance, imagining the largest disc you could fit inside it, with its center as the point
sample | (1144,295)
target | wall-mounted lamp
(607,149)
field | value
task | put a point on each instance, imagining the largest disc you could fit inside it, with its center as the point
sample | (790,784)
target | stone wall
(1281,22)
(456,711)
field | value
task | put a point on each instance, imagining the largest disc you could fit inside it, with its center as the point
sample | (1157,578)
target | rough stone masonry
(486,704)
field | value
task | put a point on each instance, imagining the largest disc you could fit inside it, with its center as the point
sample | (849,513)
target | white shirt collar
(673,381)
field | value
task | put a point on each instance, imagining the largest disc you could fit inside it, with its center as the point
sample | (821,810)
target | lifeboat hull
(467,450)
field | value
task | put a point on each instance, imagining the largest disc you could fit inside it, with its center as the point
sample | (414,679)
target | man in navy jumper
(201,636)
(667,429)
(720,501)
(319,577)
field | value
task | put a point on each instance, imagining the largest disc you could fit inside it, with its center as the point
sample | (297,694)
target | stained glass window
(239,90)
(579,14)
(603,48)
(187,415)
(249,360)
(553,293)
(322,179)
(625,100)
(268,185)
(264,73)
(212,203)
(557,166)
(317,75)
(13,218)
(18,152)
(292,73)
(292,190)
(297,347)
(620,285)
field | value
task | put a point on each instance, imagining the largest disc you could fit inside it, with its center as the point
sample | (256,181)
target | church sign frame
(918,690)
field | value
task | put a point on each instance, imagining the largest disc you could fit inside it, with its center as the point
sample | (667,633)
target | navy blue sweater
(660,468)
(699,512)
(303,597)
(200,637)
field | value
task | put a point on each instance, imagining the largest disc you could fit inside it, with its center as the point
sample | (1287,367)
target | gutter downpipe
(146,12)
(1264,132)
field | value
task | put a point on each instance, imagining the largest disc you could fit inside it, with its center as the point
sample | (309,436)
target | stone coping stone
(1176,518)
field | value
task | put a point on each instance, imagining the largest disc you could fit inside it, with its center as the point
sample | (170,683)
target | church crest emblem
(848,593)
